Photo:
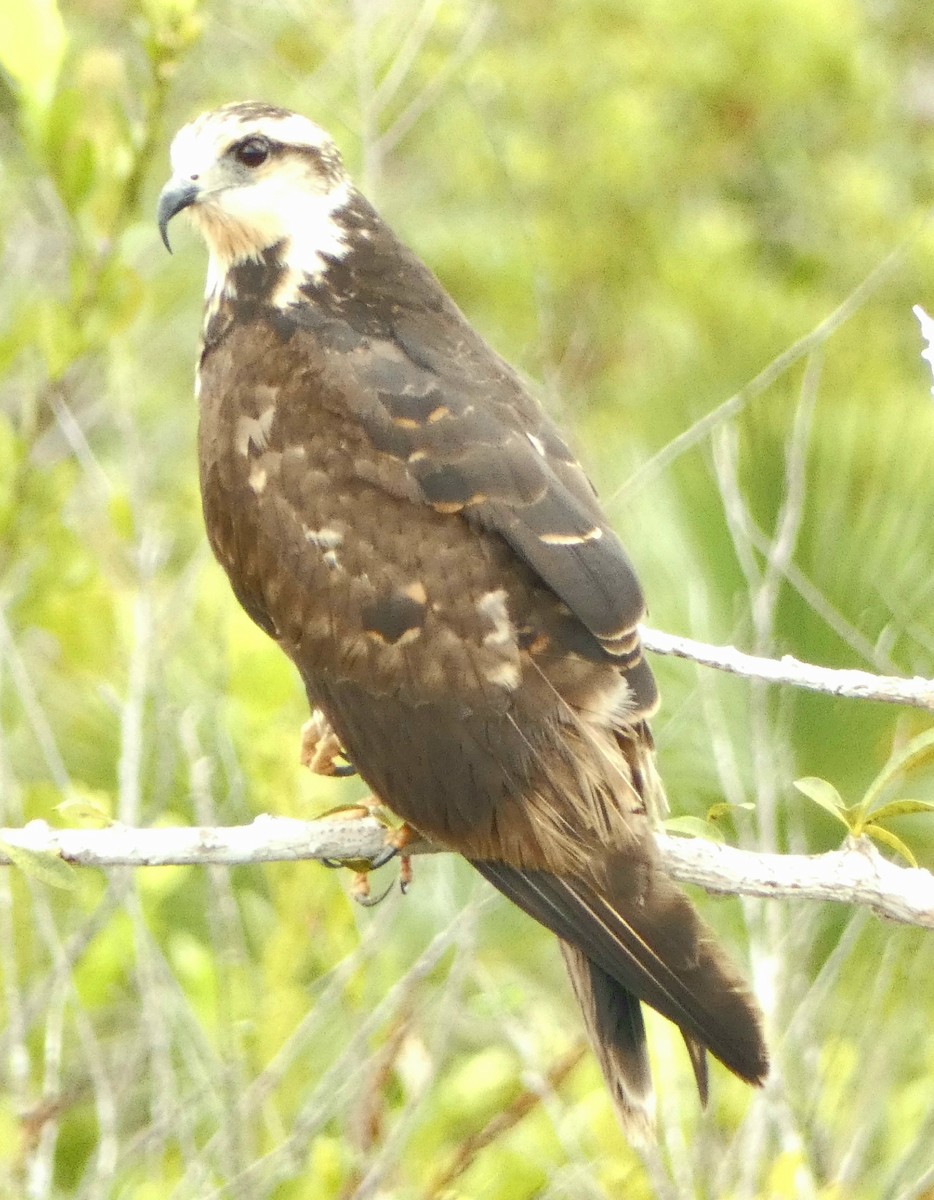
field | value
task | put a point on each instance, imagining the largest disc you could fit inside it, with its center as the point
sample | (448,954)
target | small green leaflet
(42,865)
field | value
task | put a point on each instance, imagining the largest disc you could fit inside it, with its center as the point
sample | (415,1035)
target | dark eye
(252,152)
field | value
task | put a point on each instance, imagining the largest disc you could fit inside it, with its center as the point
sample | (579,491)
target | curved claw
(362,894)
(320,746)
(388,852)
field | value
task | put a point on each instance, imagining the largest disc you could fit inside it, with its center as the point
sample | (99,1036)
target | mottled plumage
(395,509)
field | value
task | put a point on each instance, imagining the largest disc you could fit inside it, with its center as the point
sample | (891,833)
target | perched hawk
(396,511)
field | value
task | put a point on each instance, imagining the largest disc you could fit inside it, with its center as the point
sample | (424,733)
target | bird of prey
(394,508)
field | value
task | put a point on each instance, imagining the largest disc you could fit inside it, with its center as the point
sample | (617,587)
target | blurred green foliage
(641,205)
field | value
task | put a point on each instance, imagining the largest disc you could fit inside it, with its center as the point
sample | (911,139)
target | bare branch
(857,874)
(855,685)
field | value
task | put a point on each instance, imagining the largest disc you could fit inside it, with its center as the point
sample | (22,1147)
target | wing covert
(475,442)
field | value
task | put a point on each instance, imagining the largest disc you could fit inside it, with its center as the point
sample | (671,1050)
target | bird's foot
(321,746)
(398,837)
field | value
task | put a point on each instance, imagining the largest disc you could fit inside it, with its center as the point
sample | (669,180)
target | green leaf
(42,865)
(87,810)
(824,794)
(918,752)
(717,811)
(888,838)
(32,45)
(901,808)
(693,826)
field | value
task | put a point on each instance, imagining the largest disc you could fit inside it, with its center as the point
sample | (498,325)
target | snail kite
(396,511)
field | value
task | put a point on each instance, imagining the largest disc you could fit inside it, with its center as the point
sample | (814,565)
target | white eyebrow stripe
(211,134)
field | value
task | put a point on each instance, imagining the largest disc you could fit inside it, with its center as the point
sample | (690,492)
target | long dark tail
(641,941)
(613,1020)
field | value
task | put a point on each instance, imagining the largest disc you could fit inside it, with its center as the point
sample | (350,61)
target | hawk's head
(253,176)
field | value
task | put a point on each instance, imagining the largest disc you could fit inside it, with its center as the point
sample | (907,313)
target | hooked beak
(176,195)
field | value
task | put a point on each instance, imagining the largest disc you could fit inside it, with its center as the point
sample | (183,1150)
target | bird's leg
(321,745)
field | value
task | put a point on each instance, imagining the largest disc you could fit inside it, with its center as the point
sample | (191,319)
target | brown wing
(331,550)
(479,445)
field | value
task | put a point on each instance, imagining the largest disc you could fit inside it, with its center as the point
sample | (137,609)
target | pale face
(252,176)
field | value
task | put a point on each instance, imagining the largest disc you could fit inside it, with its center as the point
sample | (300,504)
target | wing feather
(475,442)
(651,942)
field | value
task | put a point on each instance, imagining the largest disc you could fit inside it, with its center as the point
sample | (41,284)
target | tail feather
(697,1053)
(642,941)
(613,1019)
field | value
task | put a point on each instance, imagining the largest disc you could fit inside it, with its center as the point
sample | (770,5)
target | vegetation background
(641,205)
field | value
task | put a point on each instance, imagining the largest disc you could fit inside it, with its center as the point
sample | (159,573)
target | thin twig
(472,37)
(856,874)
(524,1103)
(791,511)
(917,692)
(815,599)
(330,1093)
(821,332)
(407,54)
